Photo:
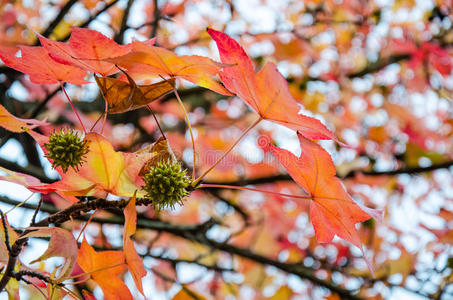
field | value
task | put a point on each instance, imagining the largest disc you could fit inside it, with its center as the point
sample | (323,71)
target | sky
(266,19)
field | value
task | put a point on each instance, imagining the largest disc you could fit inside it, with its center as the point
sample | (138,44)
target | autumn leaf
(186,294)
(162,151)
(124,96)
(62,243)
(133,260)
(104,268)
(14,124)
(283,293)
(86,49)
(25,180)
(266,91)
(98,176)
(145,61)
(32,183)
(42,69)
(332,211)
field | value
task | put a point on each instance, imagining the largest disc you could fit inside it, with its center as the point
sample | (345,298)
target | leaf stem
(94,271)
(157,121)
(86,224)
(197,181)
(105,115)
(190,130)
(234,187)
(72,105)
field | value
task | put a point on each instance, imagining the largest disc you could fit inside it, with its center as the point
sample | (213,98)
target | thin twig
(157,121)
(73,108)
(155,23)
(120,36)
(190,131)
(63,11)
(5,229)
(33,219)
(197,181)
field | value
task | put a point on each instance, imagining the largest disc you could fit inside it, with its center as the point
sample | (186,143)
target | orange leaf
(98,176)
(146,60)
(133,260)
(283,293)
(266,92)
(42,69)
(104,268)
(332,210)
(125,96)
(162,152)
(186,294)
(11,123)
(86,49)
(62,243)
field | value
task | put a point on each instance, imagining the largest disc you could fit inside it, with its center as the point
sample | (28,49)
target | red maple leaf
(42,69)
(332,210)
(266,91)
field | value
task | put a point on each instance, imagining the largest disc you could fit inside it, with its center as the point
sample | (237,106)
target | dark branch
(5,231)
(194,233)
(120,35)
(379,65)
(64,10)
(155,23)
(284,177)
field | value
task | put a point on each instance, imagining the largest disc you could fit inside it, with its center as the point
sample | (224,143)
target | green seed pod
(66,149)
(166,185)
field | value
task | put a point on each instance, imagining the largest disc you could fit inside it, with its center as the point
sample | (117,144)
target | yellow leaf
(283,293)
(186,294)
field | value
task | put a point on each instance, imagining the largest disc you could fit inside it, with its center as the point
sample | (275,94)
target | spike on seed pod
(66,149)
(166,184)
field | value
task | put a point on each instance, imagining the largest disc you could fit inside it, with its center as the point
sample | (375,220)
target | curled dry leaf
(62,244)
(162,152)
(145,61)
(123,96)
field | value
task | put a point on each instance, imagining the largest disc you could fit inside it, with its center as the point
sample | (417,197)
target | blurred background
(377,73)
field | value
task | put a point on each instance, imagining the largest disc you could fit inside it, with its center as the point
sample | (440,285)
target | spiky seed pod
(66,149)
(166,184)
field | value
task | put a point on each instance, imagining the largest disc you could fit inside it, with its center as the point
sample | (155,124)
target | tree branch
(284,177)
(64,10)
(120,35)
(155,23)
(193,233)
(379,65)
